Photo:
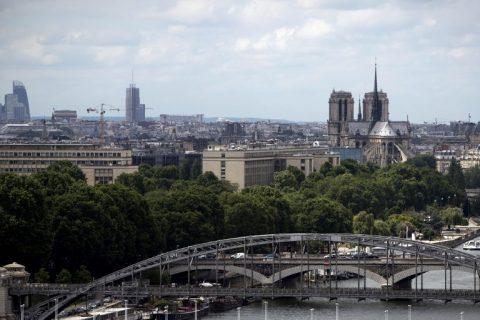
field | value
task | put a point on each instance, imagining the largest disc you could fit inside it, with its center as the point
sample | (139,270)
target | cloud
(192,11)
(314,28)
(275,40)
(109,55)
(32,50)
(264,11)
(242,44)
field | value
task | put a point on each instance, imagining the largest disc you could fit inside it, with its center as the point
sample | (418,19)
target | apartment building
(101,165)
(245,168)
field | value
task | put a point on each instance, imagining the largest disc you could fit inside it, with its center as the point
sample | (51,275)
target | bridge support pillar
(5,304)
(404,284)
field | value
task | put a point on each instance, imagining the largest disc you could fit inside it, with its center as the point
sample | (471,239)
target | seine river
(292,309)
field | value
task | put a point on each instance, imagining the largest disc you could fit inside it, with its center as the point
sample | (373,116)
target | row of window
(49,162)
(60,154)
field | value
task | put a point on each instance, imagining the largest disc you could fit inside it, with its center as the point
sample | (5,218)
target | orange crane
(102,111)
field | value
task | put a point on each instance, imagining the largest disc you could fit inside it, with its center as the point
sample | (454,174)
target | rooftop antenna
(469,118)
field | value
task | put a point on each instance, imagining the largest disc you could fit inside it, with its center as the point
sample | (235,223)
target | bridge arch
(413,272)
(257,276)
(451,257)
(280,275)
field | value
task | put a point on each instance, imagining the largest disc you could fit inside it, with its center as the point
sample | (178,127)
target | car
(207,256)
(205,284)
(270,256)
(238,255)
(330,256)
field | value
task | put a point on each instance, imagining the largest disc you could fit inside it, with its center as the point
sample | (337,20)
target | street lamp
(196,302)
(461,315)
(311,313)
(337,311)
(56,308)
(126,315)
(238,312)
(266,310)
(22,312)
(409,312)
(386,314)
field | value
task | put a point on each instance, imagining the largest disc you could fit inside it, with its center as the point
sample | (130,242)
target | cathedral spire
(359,116)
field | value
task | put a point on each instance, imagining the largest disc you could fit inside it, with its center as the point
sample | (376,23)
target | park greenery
(64,230)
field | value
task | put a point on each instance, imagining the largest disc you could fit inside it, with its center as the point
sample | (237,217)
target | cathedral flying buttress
(382,141)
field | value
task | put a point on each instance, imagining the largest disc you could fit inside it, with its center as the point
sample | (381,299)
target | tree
(299,175)
(272,199)
(423,161)
(323,215)
(363,223)
(64,276)
(381,228)
(25,222)
(285,180)
(42,276)
(455,175)
(68,168)
(472,177)
(326,168)
(452,216)
(82,275)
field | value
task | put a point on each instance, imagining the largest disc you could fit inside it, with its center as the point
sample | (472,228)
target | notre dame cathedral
(382,141)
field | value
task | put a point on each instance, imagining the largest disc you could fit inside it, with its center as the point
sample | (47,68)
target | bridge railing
(419,249)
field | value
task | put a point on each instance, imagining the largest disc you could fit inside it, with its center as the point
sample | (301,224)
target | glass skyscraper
(21,93)
(16,108)
(134,111)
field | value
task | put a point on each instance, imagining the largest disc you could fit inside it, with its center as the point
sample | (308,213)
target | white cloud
(242,44)
(314,28)
(33,51)
(192,11)
(308,3)
(383,16)
(109,54)
(178,29)
(429,22)
(275,40)
(264,11)
(469,38)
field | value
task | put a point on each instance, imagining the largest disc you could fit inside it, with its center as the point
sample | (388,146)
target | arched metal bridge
(423,257)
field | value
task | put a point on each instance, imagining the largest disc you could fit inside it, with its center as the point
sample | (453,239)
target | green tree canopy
(323,215)
(363,223)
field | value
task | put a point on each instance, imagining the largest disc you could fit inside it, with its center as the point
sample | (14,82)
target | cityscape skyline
(262,59)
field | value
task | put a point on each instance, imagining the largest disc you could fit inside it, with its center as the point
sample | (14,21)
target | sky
(244,58)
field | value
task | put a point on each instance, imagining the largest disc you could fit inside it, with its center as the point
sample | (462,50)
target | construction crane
(102,111)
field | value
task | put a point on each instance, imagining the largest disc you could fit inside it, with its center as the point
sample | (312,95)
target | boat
(472,245)
(182,310)
(224,304)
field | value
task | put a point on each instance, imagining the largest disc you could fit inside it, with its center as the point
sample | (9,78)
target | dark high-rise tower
(132,103)
(21,93)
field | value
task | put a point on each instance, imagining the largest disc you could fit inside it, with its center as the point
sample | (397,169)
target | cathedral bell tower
(341,110)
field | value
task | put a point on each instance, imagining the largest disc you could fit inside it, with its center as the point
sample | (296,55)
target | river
(292,309)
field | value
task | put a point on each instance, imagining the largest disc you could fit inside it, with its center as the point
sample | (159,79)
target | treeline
(64,230)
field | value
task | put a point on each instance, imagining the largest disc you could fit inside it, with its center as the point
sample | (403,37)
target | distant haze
(269,59)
